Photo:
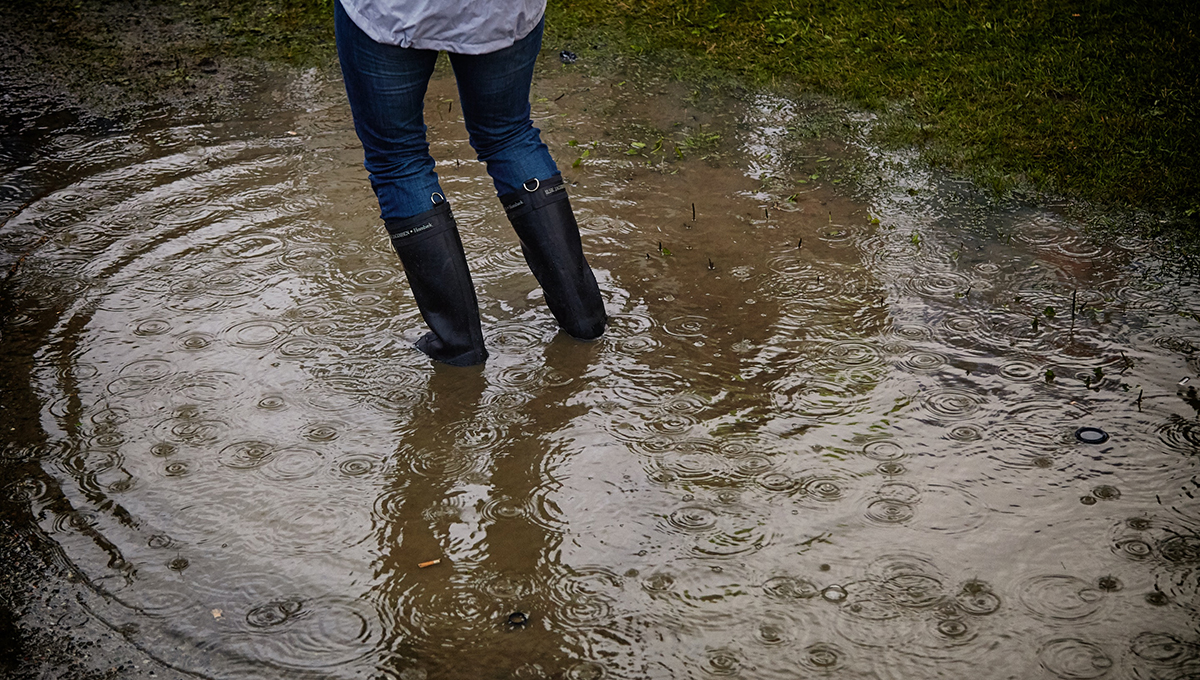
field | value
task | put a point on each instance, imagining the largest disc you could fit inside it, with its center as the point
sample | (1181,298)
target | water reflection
(480,504)
(828,432)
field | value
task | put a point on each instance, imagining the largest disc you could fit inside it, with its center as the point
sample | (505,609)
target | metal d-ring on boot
(436,268)
(541,215)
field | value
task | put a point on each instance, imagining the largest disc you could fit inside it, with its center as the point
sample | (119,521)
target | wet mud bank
(72,73)
(834,427)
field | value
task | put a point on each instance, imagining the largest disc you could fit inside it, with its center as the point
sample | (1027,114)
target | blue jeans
(386,87)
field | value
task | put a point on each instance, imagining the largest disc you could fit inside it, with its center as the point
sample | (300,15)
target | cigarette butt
(430,563)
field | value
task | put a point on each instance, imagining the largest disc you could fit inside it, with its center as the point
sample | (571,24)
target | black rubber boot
(542,217)
(436,267)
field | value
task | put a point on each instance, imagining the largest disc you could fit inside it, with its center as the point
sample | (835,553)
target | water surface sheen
(830,431)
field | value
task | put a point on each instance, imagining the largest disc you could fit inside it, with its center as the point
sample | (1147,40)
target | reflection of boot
(436,267)
(550,241)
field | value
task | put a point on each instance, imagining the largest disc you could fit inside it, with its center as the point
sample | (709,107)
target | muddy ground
(97,69)
(936,316)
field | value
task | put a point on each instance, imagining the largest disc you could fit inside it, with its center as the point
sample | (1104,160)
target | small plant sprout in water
(700,142)
(586,152)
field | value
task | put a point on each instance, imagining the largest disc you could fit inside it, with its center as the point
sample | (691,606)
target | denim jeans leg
(386,87)
(494,91)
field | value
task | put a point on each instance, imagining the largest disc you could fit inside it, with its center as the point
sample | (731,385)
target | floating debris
(1091,435)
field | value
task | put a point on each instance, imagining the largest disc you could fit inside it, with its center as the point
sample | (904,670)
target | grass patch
(294,31)
(1097,100)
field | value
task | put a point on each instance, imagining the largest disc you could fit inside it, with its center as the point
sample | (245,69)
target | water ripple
(1060,597)
(787,588)
(692,518)
(1074,659)
(245,455)
(951,404)
(318,633)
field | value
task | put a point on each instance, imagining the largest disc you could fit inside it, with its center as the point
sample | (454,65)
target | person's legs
(386,87)
(494,91)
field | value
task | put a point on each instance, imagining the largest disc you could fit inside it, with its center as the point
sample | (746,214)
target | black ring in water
(1091,435)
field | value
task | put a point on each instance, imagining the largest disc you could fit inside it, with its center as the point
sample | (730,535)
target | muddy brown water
(818,440)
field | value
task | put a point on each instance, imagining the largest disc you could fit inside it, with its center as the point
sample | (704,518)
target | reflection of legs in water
(522,543)
(414,514)
(451,620)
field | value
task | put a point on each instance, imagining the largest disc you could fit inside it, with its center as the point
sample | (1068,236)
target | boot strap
(421,226)
(521,203)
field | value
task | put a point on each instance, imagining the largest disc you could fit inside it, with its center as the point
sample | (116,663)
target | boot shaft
(542,217)
(436,268)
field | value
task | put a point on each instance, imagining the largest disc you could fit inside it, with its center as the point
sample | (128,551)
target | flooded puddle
(831,431)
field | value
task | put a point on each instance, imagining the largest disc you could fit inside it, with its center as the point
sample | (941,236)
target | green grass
(1097,100)
(292,31)
(295,31)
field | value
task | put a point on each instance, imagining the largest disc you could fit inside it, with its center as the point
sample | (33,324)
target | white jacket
(461,26)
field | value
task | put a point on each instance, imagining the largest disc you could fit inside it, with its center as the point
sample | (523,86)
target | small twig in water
(19,209)
(16,265)
(1073,294)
